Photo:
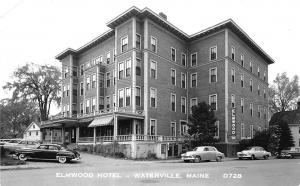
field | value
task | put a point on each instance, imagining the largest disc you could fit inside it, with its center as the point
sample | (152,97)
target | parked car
(202,153)
(22,144)
(10,142)
(48,152)
(3,141)
(254,153)
(292,152)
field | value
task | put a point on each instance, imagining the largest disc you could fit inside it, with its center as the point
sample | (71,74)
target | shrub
(151,155)
(119,155)
(243,144)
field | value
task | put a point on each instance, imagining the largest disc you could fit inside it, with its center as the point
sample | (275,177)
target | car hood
(246,151)
(190,153)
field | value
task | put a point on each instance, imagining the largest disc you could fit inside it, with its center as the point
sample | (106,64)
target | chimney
(162,15)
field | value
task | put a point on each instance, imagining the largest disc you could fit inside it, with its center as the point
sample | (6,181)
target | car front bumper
(188,158)
(241,155)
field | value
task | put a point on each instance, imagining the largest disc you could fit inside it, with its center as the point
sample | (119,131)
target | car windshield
(249,148)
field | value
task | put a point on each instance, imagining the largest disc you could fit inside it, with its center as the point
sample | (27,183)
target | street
(96,170)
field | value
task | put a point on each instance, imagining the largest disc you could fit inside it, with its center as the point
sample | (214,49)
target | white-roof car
(254,152)
(202,153)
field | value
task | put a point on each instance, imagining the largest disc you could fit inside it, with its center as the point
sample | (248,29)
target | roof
(147,13)
(38,124)
(291,117)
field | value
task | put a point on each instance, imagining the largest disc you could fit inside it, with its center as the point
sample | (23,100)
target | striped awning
(102,121)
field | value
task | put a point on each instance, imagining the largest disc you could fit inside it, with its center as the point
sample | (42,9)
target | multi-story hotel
(137,82)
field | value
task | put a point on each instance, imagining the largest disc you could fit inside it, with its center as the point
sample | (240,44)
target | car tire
(198,159)
(186,161)
(218,159)
(62,159)
(240,158)
(252,157)
(22,157)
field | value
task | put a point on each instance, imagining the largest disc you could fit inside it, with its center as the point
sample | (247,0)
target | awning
(102,121)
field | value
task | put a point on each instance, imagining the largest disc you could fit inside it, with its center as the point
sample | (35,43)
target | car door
(212,153)
(40,152)
(52,151)
(205,154)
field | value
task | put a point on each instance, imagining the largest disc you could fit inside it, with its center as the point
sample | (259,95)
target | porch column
(77,134)
(51,133)
(62,134)
(134,122)
(94,141)
(115,127)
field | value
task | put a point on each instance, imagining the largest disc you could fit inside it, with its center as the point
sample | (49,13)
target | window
(29,133)
(87,106)
(173,54)
(194,80)
(128,95)
(194,59)
(265,95)
(138,96)
(124,42)
(242,59)
(94,81)
(265,113)
(121,70)
(81,108)
(101,103)
(108,79)
(265,76)
(213,101)
(115,54)
(107,102)
(107,57)
(37,133)
(242,80)
(75,71)
(251,86)
(173,129)
(88,82)
(183,105)
(217,132)
(153,67)
(128,67)
(68,90)
(81,70)
(153,44)
(233,75)
(232,100)
(258,73)
(183,80)
(251,109)
(66,73)
(138,41)
(153,96)
(193,102)
(258,90)
(258,111)
(242,105)
(68,109)
(251,131)
(242,130)
(114,100)
(233,53)
(64,91)
(250,64)
(152,127)
(121,97)
(93,105)
(115,76)
(173,76)
(75,89)
(213,75)
(81,89)
(138,67)
(173,102)
(183,128)
(183,59)
(213,53)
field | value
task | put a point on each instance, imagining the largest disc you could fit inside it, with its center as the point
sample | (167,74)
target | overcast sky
(36,31)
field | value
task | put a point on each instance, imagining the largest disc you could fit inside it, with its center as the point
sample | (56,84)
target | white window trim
(151,119)
(140,41)
(191,59)
(243,105)
(155,96)
(174,128)
(209,100)
(155,69)
(120,96)
(175,54)
(233,52)
(140,95)
(184,58)
(175,76)
(191,79)
(211,74)
(152,37)
(243,79)
(233,100)
(251,108)
(217,124)
(123,69)
(172,94)
(92,75)
(243,59)
(216,53)
(181,104)
(233,74)
(130,95)
(107,102)
(180,132)
(126,36)
(108,79)
(81,67)
(184,80)
(109,56)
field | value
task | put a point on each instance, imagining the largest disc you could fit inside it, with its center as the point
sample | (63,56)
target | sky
(36,31)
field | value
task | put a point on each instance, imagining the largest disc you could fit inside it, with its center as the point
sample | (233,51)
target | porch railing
(104,138)
(86,139)
(124,138)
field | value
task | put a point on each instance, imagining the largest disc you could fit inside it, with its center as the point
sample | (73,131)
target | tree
(285,136)
(202,124)
(40,83)
(283,93)
(16,115)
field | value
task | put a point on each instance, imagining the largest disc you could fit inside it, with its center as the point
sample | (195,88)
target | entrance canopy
(102,121)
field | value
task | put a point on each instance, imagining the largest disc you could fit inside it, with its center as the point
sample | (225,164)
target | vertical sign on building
(233,124)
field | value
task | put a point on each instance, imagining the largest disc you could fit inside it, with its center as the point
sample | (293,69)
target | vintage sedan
(11,147)
(292,152)
(205,153)
(48,152)
(254,153)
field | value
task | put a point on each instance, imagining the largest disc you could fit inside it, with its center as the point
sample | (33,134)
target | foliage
(285,136)
(16,115)
(283,93)
(244,143)
(39,83)
(202,124)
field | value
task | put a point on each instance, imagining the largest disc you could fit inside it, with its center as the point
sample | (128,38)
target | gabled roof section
(37,124)
(291,117)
